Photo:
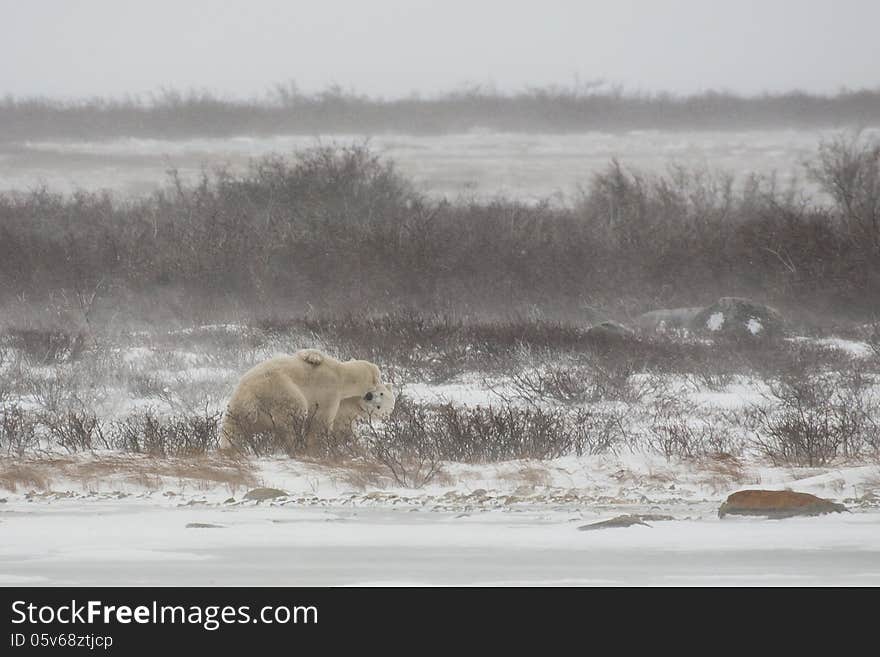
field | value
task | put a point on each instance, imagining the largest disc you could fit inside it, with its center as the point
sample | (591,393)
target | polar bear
(377,403)
(298,393)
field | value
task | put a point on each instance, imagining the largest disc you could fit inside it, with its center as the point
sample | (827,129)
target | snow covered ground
(126,544)
(482,163)
(519,527)
(109,517)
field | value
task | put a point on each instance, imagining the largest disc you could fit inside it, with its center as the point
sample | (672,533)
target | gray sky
(395,47)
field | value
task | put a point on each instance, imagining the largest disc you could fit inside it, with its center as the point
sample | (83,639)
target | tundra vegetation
(126,322)
(286,109)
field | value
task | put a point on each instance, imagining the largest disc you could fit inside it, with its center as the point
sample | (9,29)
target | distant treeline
(173,114)
(339,230)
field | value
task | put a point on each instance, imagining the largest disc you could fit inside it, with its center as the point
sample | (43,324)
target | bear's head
(379,401)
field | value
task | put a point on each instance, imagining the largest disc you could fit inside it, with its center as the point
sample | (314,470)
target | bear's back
(296,370)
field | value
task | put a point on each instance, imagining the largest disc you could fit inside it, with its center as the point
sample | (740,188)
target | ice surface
(133,545)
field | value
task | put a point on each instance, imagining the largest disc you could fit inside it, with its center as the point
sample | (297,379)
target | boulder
(738,317)
(261,494)
(619,521)
(667,319)
(776,504)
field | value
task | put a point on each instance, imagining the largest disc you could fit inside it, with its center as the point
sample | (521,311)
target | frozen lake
(481,164)
(132,543)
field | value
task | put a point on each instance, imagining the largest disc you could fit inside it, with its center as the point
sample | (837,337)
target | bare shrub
(143,385)
(262,239)
(417,437)
(848,168)
(18,431)
(183,396)
(671,434)
(811,420)
(679,429)
(565,385)
(599,432)
(406,445)
(710,377)
(6,375)
(286,434)
(874,339)
(339,444)
(51,393)
(503,432)
(591,378)
(789,360)
(46,347)
(76,430)
(431,346)
(146,433)
(266,443)
(293,434)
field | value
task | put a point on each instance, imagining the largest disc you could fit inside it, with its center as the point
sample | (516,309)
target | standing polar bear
(309,393)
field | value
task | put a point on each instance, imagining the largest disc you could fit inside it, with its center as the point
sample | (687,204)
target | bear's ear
(390,388)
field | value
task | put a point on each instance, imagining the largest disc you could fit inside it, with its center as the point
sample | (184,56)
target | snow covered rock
(776,504)
(738,317)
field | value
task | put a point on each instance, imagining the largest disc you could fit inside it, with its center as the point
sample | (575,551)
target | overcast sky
(394,47)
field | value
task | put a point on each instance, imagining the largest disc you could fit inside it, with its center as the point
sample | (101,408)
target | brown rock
(776,504)
(654,517)
(619,521)
(264,494)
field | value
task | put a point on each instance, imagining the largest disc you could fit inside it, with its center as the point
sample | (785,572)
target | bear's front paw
(312,356)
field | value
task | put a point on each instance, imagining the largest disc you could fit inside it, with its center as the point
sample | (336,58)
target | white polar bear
(377,403)
(302,393)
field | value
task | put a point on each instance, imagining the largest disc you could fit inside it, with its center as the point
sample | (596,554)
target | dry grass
(361,474)
(109,470)
(15,475)
(720,472)
(723,464)
(530,475)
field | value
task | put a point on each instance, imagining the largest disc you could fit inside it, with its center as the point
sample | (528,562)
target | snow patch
(715,321)
(135,354)
(754,326)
